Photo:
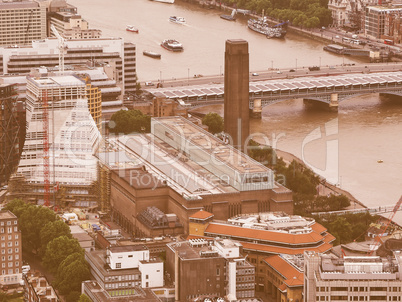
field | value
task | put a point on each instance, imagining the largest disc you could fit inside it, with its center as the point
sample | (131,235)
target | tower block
(236,102)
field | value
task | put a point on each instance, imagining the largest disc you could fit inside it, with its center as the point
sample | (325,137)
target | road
(302,71)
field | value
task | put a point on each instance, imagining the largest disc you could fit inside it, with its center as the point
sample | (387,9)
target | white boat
(164,1)
(178,20)
(172,45)
(132,28)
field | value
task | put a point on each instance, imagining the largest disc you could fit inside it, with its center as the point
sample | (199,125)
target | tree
(129,121)
(31,222)
(52,230)
(214,122)
(84,298)
(59,249)
(73,296)
(16,206)
(71,272)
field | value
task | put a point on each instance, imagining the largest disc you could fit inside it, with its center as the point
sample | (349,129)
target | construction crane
(385,228)
(46,172)
(62,48)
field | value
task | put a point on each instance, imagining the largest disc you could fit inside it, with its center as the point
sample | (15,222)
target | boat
(334,48)
(261,26)
(231,17)
(172,45)
(164,1)
(151,54)
(132,28)
(178,20)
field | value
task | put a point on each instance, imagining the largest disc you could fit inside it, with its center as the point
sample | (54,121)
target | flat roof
(128,248)
(57,81)
(222,152)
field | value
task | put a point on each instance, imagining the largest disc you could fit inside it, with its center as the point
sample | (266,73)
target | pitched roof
(292,276)
(201,215)
(263,235)
(318,228)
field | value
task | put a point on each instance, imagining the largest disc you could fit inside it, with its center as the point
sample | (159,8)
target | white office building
(21,22)
(72,133)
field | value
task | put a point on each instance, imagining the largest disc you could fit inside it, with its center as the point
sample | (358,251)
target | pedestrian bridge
(330,89)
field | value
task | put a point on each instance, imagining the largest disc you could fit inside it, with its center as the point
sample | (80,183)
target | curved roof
(264,235)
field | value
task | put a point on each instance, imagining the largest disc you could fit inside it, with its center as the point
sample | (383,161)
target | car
(279,71)
(337,37)
(292,70)
(255,74)
(149,84)
(331,67)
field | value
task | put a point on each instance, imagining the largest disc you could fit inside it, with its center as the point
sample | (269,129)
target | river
(365,130)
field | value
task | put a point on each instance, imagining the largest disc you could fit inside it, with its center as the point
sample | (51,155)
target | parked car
(149,84)
(255,74)
(292,70)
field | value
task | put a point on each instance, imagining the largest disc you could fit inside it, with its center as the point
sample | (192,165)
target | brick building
(221,270)
(11,249)
(202,173)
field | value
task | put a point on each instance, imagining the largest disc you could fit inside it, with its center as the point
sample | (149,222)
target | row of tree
(303,182)
(304,13)
(49,238)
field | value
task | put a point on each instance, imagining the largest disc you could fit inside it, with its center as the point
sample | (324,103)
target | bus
(389,42)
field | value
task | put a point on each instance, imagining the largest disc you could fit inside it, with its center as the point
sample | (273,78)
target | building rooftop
(128,248)
(187,250)
(358,267)
(150,163)
(141,295)
(7,215)
(290,267)
(201,215)
(58,81)
(221,152)
(18,5)
(98,258)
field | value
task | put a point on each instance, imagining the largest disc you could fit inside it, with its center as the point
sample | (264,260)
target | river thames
(367,129)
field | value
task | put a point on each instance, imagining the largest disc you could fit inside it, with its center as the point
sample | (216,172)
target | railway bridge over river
(331,90)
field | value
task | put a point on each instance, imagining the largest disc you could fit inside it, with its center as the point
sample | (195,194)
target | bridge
(372,211)
(331,90)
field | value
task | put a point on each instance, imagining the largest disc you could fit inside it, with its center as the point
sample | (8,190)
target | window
(146,277)
(118,265)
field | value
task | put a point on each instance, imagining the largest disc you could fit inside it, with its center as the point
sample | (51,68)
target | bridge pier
(257,109)
(333,104)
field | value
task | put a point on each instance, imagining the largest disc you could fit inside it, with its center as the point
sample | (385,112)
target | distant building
(21,22)
(263,235)
(118,57)
(285,277)
(379,21)
(352,278)
(72,138)
(221,270)
(11,140)
(38,289)
(123,271)
(83,238)
(11,249)
(182,169)
(152,222)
